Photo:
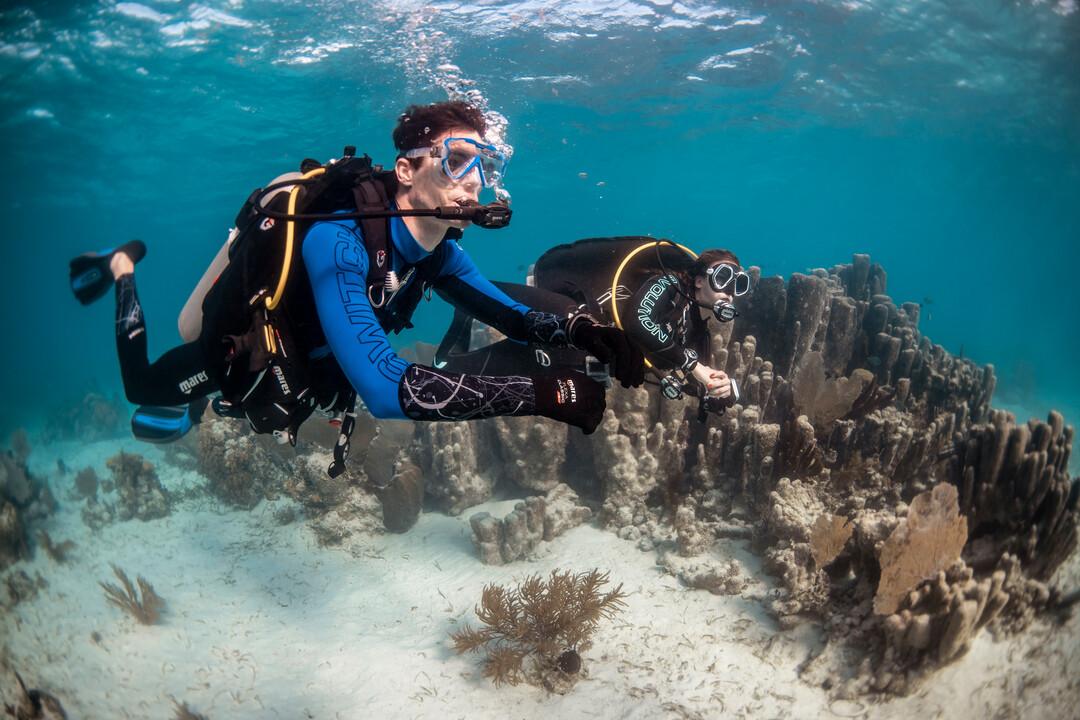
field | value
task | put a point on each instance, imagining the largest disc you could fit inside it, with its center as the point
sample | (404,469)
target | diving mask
(727,277)
(461,155)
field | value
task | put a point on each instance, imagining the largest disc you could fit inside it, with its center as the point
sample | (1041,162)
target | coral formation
(826,400)
(241,468)
(928,542)
(86,483)
(535,519)
(24,500)
(828,537)
(97,514)
(402,497)
(18,586)
(94,417)
(448,454)
(57,552)
(139,491)
(143,604)
(337,507)
(386,449)
(848,416)
(509,440)
(537,631)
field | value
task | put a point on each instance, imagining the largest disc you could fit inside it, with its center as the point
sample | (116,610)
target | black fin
(90,274)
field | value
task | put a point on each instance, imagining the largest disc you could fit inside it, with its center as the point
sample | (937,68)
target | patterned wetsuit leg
(429,394)
(176,378)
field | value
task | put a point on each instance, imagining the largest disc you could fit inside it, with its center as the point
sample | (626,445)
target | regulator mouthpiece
(491,216)
(724,311)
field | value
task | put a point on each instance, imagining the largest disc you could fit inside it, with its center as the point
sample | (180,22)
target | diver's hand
(610,346)
(716,382)
(572,398)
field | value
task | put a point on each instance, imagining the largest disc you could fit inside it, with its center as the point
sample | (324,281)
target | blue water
(942,138)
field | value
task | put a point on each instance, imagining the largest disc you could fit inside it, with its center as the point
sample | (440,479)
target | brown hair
(709,258)
(418,124)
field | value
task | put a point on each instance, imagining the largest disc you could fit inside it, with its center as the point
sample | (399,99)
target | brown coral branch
(183,712)
(146,609)
(541,620)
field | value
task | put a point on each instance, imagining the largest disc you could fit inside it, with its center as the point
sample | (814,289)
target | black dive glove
(610,346)
(573,398)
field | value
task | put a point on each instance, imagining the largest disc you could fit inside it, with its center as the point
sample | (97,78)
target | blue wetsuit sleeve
(461,283)
(337,265)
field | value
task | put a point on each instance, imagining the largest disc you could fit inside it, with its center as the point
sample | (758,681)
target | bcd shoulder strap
(371,196)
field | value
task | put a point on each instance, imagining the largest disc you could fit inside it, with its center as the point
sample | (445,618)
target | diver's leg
(176,378)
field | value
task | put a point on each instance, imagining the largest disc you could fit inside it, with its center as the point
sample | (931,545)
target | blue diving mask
(460,155)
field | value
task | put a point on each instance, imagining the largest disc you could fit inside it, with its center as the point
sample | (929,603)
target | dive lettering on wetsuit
(647,305)
(352,288)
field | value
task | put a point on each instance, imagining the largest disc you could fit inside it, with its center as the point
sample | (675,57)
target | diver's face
(708,297)
(428,186)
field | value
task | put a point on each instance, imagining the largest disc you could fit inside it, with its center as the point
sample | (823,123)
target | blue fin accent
(166,424)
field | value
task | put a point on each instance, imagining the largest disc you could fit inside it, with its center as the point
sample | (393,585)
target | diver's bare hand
(715,382)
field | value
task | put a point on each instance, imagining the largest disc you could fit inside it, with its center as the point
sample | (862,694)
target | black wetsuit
(655,315)
(177,377)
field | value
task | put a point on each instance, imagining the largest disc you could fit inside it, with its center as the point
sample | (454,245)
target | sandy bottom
(263,623)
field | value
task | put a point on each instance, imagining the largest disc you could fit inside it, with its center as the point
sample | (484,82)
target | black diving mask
(725,277)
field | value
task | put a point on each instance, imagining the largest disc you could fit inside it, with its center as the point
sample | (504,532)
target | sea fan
(536,631)
(146,609)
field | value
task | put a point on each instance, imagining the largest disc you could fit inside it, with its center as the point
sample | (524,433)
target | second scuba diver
(655,290)
(280,344)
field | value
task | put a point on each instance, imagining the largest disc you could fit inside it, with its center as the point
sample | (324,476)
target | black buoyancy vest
(263,359)
(585,269)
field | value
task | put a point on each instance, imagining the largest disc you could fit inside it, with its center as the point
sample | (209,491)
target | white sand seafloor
(262,622)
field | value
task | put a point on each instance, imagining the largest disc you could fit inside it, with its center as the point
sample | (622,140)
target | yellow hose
(290,231)
(618,273)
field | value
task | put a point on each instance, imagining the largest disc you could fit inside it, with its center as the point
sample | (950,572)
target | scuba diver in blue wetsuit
(321,265)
